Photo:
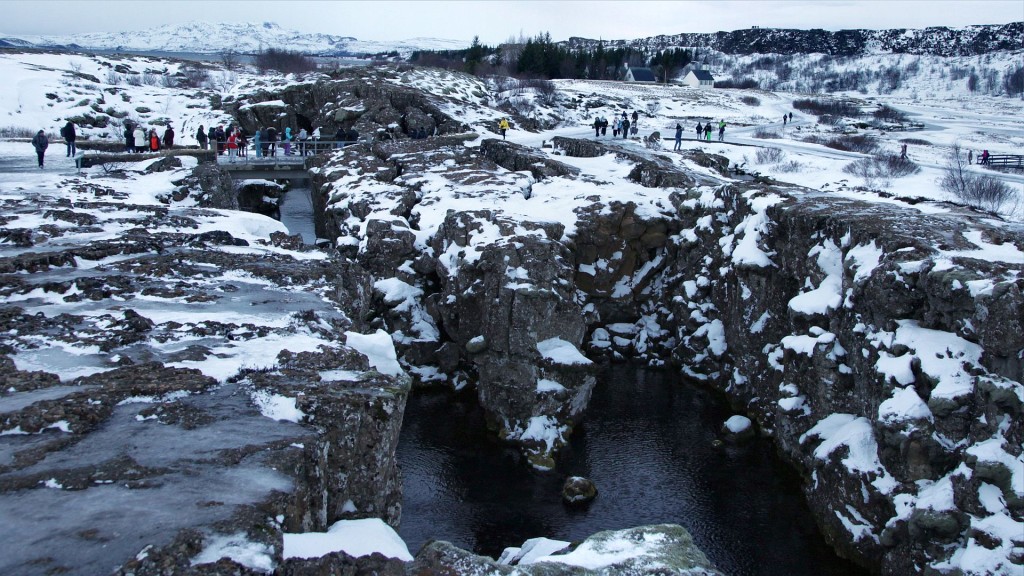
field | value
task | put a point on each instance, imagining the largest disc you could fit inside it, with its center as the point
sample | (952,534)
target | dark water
(647,444)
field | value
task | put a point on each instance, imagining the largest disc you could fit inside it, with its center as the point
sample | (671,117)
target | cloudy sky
(495,21)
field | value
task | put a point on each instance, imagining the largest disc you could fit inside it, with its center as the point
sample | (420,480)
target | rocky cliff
(880,346)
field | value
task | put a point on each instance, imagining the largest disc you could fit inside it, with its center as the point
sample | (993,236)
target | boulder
(578,490)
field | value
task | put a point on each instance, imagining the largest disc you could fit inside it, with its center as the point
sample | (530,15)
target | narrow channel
(297,213)
(648,444)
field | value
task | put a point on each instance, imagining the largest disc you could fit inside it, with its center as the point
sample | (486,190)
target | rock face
(872,341)
(371,100)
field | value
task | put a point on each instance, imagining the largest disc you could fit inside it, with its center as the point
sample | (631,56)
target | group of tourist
(137,140)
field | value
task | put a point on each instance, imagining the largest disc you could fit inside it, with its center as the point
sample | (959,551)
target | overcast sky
(495,21)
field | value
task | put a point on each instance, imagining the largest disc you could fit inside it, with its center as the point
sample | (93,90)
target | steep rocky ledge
(870,340)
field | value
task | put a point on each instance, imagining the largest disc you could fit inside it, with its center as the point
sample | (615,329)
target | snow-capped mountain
(213,37)
(937,41)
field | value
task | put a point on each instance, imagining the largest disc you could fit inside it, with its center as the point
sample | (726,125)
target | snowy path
(24,160)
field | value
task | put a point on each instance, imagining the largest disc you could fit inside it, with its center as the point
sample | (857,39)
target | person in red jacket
(232,145)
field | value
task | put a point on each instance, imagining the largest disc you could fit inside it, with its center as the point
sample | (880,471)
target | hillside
(938,41)
(216,37)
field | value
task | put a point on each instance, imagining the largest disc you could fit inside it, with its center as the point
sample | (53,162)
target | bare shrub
(770,155)
(977,190)
(150,79)
(284,61)
(766,133)
(791,166)
(653,107)
(887,114)
(915,142)
(862,143)
(230,59)
(133,80)
(168,81)
(194,77)
(827,107)
(16,132)
(545,89)
(750,101)
(114,78)
(879,170)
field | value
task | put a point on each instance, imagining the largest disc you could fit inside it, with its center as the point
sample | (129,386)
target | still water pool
(647,442)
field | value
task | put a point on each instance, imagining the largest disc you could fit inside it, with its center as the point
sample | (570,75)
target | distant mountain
(212,38)
(937,41)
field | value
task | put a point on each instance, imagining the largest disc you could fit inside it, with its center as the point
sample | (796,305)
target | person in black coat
(68,133)
(40,142)
(129,138)
(169,137)
(202,138)
(221,138)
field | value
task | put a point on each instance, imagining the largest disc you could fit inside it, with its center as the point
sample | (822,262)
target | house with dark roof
(639,75)
(699,77)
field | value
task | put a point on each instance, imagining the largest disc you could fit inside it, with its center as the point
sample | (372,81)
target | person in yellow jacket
(502,127)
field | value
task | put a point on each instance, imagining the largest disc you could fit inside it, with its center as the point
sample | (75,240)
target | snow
(561,352)
(546,385)
(276,406)
(864,258)
(354,537)
(737,424)
(856,434)
(904,404)
(596,555)
(253,555)
(531,550)
(545,429)
(378,348)
(828,295)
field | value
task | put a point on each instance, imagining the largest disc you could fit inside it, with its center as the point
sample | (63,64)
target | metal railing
(276,152)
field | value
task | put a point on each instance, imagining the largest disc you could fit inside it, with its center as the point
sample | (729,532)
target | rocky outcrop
(657,549)
(208,381)
(371,100)
(508,303)
(852,334)
(871,341)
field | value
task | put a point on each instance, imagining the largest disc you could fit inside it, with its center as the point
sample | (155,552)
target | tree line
(541,58)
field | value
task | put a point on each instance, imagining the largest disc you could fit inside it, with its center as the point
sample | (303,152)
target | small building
(639,75)
(699,77)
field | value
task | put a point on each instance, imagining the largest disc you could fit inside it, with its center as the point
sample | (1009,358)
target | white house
(699,78)
(639,75)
